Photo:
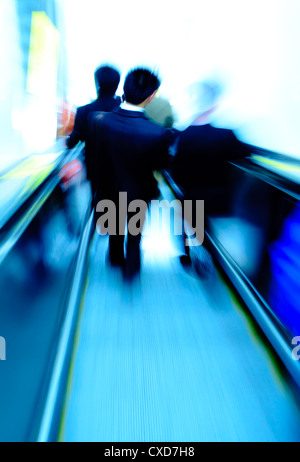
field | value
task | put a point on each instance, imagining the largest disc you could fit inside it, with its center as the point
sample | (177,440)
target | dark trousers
(131,259)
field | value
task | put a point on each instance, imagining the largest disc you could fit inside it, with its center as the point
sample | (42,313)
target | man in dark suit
(107,80)
(200,167)
(129,147)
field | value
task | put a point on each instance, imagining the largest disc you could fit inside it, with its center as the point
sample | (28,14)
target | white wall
(252,45)
(10,83)
(28,111)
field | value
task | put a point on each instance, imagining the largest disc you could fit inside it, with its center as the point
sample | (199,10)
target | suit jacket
(81,128)
(79,133)
(128,147)
(200,165)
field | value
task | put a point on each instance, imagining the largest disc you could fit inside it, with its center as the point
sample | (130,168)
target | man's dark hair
(139,84)
(107,80)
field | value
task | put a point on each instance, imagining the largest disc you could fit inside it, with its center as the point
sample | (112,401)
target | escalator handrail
(261,311)
(29,195)
(274,155)
(283,184)
(13,165)
(28,207)
(57,389)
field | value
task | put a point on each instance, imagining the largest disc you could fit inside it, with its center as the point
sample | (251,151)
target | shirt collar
(131,107)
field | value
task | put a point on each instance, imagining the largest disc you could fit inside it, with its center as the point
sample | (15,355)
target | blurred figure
(200,164)
(285,270)
(129,147)
(72,176)
(160,111)
(65,119)
(107,80)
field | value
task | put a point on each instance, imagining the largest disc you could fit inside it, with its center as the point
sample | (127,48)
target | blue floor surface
(171,359)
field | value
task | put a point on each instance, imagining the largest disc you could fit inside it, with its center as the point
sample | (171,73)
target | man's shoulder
(87,108)
(134,118)
(222,131)
(153,129)
(139,126)
(81,112)
(208,130)
(90,107)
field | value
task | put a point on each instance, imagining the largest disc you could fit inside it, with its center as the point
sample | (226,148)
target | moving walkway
(188,354)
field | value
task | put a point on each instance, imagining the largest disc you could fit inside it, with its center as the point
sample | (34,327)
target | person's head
(140,86)
(107,80)
(203,100)
(161,112)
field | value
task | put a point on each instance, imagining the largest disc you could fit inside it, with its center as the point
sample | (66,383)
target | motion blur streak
(170,358)
(179,355)
(285,264)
